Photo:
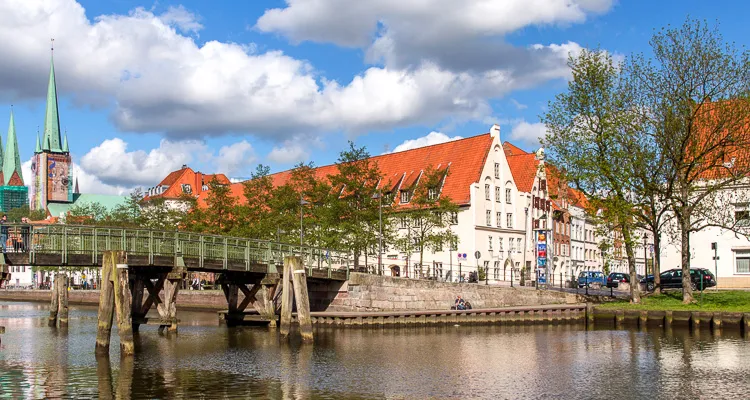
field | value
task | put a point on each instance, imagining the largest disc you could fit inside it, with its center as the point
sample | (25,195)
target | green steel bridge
(83,246)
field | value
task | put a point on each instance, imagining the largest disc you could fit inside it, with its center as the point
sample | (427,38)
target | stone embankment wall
(364,292)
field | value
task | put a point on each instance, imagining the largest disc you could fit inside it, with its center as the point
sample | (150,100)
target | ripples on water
(210,361)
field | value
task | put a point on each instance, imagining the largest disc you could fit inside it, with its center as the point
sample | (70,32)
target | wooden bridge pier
(4,277)
(256,293)
(115,297)
(294,286)
(58,311)
(162,288)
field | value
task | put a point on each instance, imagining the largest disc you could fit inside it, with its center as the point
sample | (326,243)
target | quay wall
(362,292)
(366,292)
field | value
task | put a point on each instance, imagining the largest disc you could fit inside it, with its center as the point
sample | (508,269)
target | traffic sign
(477,254)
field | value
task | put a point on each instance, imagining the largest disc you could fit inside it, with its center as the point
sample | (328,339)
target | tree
(695,94)
(255,215)
(427,216)
(219,215)
(354,211)
(590,131)
(15,214)
(128,214)
(89,214)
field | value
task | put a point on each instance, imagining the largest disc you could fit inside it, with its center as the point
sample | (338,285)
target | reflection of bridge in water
(141,268)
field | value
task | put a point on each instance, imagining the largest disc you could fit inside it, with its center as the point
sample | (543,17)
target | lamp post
(302,202)
(486,272)
(379,196)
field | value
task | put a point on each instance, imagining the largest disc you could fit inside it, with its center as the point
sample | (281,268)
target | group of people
(461,304)
(20,237)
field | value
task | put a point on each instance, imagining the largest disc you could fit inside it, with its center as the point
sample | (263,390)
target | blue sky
(222,86)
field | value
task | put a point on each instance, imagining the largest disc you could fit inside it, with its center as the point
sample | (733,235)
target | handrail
(66,240)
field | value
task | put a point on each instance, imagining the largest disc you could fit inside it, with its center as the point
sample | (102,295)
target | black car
(614,279)
(673,279)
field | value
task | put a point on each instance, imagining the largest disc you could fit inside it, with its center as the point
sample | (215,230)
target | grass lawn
(723,300)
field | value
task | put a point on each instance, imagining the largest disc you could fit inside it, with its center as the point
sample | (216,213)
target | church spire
(38,148)
(12,174)
(51,140)
(65,143)
(76,189)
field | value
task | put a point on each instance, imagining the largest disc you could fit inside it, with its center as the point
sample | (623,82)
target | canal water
(206,360)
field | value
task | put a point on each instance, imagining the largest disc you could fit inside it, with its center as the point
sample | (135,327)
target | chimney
(495,131)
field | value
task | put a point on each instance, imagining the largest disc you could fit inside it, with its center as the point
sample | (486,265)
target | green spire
(65,143)
(51,140)
(11,158)
(38,148)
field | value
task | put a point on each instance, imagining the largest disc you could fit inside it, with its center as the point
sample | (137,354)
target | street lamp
(302,202)
(379,197)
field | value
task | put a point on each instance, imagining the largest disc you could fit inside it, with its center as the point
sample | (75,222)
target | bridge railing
(66,240)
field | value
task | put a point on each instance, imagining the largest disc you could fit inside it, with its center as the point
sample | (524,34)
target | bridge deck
(82,246)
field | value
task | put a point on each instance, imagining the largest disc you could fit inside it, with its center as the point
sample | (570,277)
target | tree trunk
(656,261)
(687,291)
(635,292)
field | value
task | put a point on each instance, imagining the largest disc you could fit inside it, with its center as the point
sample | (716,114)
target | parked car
(614,279)
(673,279)
(591,278)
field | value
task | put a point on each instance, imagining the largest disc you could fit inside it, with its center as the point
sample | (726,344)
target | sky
(145,87)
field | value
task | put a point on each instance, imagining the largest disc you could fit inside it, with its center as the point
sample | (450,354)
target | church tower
(51,165)
(13,192)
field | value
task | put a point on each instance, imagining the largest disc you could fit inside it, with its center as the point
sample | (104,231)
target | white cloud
(291,152)
(184,20)
(528,133)
(154,78)
(427,140)
(235,158)
(113,164)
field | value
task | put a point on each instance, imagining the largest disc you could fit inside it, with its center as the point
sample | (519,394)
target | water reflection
(207,360)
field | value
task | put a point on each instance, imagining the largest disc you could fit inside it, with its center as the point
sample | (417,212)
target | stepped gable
(464,158)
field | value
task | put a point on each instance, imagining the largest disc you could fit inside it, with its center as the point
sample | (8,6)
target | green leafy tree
(15,214)
(354,211)
(219,214)
(255,217)
(695,93)
(591,128)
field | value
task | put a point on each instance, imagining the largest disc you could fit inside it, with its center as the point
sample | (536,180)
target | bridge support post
(168,310)
(62,311)
(4,273)
(287,296)
(137,288)
(115,288)
(302,299)
(54,303)
(267,306)
(106,304)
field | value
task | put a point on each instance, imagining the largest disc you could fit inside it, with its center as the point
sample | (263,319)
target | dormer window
(405,196)
(432,194)
(186,188)
(204,187)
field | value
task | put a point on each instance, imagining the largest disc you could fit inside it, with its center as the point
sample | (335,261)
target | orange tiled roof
(523,167)
(174,181)
(512,150)
(464,159)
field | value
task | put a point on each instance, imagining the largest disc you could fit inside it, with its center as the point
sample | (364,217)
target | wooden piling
(138,288)
(62,310)
(123,305)
(106,303)
(171,288)
(302,299)
(286,298)
(54,303)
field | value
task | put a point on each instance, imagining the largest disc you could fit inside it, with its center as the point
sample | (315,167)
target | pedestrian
(25,234)
(4,231)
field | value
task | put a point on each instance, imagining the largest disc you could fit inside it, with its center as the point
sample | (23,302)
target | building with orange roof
(183,182)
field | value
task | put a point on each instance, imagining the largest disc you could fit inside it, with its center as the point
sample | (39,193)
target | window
(497,170)
(487,191)
(497,194)
(511,245)
(519,248)
(488,215)
(454,243)
(186,188)
(742,215)
(500,245)
(507,195)
(405,196)
(432,194)
(490,243)
(454,218)
(439,246)
(499,219)
(509,220)
(404,222)
(742,262)
(496,272)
